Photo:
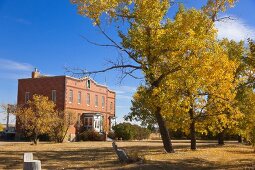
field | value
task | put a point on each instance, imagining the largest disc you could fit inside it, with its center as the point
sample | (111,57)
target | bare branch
(115,44)
(97,44)
(224,19)
(85,72)
(129,73)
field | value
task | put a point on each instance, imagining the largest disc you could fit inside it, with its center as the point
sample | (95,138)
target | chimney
(35,73)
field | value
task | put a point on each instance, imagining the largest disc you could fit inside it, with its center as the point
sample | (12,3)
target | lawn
(100,155)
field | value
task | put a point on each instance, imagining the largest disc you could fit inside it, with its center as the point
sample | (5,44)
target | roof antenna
(105,82)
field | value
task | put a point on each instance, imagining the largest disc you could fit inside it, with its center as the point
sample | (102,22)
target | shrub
(111,135)
(123,131)
(91,135)
(127,131)
(141,133)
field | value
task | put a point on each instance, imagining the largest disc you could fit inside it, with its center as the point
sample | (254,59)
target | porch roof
(92,114)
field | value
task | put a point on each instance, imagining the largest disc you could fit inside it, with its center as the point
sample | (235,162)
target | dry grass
(100,155)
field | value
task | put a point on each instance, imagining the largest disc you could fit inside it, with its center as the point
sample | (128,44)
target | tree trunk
(221,138)
(164,132)
(36,139)
(193,141)
(240,139)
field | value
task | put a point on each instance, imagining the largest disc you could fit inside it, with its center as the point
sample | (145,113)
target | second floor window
(71,96)
(27,94)
(79,97)
(54,96)
(96,100)
(111,106)
(103,101)
(88,99)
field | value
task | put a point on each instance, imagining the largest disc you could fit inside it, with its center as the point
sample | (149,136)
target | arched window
(88,84)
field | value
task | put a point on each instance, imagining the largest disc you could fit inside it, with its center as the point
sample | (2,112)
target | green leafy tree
(247,106)
(141,110)
(127,131)
(246,95)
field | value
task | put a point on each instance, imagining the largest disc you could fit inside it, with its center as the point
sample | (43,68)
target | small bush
(91,135)
(127,131)
(111,135)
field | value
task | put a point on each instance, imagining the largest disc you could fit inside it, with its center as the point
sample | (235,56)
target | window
(88,122)
(79,97)
(88,99)
(111,106)
(96,100)
(97,123)
(103,101)
(54,96)
(88,84)
(70,96)
(27,97)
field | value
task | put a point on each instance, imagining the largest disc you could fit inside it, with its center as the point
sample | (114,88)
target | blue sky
(46,35)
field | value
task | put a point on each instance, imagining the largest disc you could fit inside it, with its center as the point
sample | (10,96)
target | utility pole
(8,115)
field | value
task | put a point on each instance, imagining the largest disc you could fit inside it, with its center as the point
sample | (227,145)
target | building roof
(74,78)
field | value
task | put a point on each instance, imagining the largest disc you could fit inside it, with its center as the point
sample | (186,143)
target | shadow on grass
(105,158)
(189,164)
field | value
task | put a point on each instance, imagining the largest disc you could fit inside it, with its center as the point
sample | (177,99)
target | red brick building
(92,104)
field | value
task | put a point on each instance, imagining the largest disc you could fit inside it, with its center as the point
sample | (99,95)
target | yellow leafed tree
(1,127)
(158,46)
(37,117)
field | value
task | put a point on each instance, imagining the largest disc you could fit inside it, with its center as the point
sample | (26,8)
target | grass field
(100,155)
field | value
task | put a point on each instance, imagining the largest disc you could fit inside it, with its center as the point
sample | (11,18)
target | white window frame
(54,95)
(79,97)
(103,101)
(70,96)
(89,126)
(111,106)
(97,124)
(88,84)
(96,100)
(88,99)
(27,97)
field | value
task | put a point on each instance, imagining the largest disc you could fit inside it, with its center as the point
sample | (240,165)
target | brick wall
(80,85)
(63,85)
(42,86)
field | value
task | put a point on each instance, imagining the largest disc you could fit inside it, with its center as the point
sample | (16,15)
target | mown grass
(100,155)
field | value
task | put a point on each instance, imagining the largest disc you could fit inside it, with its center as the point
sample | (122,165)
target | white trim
(79,97)
(86,77)
(55,96)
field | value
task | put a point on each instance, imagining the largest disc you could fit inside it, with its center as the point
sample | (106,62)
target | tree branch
(85,72)
(224,19)
(115,44)
(158,81)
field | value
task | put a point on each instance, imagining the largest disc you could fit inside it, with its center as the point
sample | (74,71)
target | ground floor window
(97,124)
(93,122)
(88,122)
